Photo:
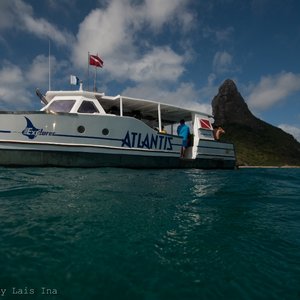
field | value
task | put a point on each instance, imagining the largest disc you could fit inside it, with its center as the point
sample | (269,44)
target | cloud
(161,63)
(99,34)
(17,14)
(13,87)
(159,12)
(211,79)
(185,95)
(8,13)
(38,72)
(295,131)
(222,62)
(10,74)
(44,29)
(62,5)
(117,34)
(218,35)
(17,86)
(273,89)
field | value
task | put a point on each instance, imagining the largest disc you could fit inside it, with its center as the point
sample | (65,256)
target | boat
(79,128)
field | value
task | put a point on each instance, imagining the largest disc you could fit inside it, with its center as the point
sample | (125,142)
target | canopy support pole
(159,117)
(121,106)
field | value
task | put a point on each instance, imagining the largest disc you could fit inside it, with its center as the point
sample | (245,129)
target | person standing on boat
(163,130)
(184,131)
(218,131)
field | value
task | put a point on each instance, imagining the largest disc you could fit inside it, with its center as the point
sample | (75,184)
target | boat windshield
(87,107)
(61,105)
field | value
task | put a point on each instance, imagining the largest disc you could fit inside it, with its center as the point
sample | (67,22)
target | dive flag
(96,61)
(205,124)
(74,80)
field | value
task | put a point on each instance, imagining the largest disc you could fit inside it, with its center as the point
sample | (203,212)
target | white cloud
(13,87)
(17,86)
(39,70)
(37,74)
(116,34)
(7,14)
(64,6)
(218,35)
(211,79)
(10,74)
(104,32)
(44,29)
(210,90)
(273,89)
(185,95)
(224,34)
(159,12)
(222,62)
(17,14)
(161,63)
(295,131)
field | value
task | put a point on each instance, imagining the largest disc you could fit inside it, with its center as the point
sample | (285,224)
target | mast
(95,79)
(49,66)
(88,70)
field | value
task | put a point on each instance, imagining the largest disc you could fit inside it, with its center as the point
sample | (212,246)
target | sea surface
(149,234)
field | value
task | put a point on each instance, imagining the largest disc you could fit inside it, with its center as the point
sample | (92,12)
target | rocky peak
(228,87)
(256,142)
(229,106)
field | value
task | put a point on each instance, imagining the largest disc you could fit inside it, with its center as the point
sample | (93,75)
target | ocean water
(149,234)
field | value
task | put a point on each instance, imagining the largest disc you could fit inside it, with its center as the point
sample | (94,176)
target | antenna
(49,66)
(41,96)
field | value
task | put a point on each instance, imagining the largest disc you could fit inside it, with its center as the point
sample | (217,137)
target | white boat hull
(72,140)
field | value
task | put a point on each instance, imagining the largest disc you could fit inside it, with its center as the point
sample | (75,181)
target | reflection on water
(193,220)
(151,234)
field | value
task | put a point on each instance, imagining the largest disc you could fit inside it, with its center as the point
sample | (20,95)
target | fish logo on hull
(32,132)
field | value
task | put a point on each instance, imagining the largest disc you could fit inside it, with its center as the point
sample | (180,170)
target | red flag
(96,61)
(205,124)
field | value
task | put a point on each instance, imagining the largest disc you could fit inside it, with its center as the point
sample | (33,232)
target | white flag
(74,80)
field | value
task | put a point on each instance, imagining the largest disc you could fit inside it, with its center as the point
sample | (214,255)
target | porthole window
(81,129)
(105,131)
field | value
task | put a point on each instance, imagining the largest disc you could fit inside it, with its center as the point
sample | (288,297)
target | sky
(173,51)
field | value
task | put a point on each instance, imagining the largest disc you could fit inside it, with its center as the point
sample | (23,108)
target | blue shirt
(183,131)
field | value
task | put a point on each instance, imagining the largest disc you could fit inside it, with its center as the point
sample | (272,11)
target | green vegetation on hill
(264,145)
(257,143)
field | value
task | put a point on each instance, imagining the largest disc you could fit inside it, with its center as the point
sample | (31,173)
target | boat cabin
(154,114)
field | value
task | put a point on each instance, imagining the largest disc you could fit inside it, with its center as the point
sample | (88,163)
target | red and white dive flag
(205,124)
(96,61)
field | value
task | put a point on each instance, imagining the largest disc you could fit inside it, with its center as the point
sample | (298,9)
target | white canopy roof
(170,114)
(148,109)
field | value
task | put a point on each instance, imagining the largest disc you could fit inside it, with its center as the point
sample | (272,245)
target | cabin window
(88,107)
(61,105)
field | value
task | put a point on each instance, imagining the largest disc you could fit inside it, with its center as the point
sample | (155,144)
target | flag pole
(88,71)
(95,77)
